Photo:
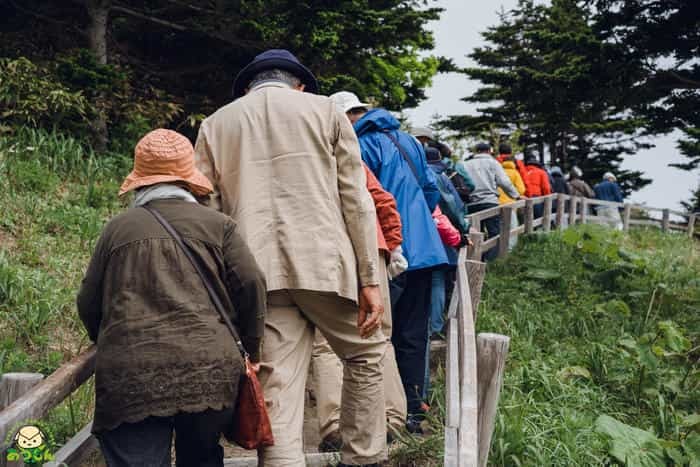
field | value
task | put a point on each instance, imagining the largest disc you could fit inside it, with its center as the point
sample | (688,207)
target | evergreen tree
(547,73)
(193,50)
(664,39)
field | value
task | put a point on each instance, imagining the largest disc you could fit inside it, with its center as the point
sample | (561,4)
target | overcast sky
(458,32)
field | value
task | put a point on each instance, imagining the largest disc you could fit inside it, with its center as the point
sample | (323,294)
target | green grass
(600,323)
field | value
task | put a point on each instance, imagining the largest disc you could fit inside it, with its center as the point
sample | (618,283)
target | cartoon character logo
(30,444)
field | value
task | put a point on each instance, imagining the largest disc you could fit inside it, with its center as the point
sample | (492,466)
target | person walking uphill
(488,176)
(398,161)
(164,361)
(286,166)
(609,190)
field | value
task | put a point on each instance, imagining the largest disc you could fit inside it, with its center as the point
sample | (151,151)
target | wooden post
(491,350)
(529,215)
(45,396)
(691,225)
(15,385)
(477,239)
(12,387)
(547,216)
(584,210)
(561,204)
(468,381)
(626,217)
(476,270)
(666,220)
(572,210)
(452,393)
(504,237)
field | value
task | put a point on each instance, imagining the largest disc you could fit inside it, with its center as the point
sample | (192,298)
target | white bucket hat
(424,131)
(347,101)
(609,176)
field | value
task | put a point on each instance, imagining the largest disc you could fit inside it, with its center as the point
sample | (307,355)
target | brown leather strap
(210,289)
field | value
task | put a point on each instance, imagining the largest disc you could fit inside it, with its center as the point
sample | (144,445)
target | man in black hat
(285,165)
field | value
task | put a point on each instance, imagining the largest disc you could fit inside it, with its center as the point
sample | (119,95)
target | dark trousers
(147,443)
(493,226)
(410,294)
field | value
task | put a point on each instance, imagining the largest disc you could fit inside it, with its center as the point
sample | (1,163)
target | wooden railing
(474,363)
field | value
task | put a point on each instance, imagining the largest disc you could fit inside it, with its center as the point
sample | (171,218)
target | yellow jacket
(515,178)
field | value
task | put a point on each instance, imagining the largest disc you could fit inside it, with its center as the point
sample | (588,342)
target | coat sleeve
(89,301)
(246,288)
(618,194)
(503,181)
(518,182)
(544,180)
(355,201)
(588,191)
(448,233)
(204,160)
(388,215)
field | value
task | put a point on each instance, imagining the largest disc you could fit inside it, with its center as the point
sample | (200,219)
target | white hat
(347,101)
(423,131)
(609,176)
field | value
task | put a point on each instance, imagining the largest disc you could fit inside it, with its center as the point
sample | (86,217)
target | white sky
(458,32)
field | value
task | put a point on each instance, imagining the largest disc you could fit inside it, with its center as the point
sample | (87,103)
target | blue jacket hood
(374,120)
(438,166)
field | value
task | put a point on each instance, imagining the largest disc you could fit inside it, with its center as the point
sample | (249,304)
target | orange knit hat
(165,156)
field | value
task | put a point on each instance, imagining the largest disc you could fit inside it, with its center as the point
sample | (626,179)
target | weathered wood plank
(504,237)
(665,220)
(561,206)
(315,459)
(584,210)
(573,202)
(475,251)
(49,393)
(452,375)
(77,450)
(491,350)
(469,419)
(15,385)
(691,225)
(547,215)
(451,448)
(476,271)
(529,215)
(626,214)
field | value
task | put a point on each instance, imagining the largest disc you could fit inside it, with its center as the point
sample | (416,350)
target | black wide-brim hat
(274,58)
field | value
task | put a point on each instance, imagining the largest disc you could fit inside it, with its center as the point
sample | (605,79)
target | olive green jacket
(161,345)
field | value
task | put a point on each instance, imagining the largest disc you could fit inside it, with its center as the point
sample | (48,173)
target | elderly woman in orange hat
(165,360)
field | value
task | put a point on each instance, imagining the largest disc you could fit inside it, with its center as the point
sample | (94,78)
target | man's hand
(369,318)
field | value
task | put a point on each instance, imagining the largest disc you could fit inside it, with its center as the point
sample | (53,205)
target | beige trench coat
(286,166)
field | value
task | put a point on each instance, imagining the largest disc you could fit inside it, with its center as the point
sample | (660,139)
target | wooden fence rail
(474,363)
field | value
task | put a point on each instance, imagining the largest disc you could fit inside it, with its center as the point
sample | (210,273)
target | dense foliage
(603,365)
(586,80)
(192,51)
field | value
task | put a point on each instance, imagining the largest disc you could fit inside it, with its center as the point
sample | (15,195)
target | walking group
(329,237)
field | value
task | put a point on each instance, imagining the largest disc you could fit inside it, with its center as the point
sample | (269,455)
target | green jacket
(161,347)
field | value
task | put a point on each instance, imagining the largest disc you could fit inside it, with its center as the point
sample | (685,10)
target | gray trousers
(147,443)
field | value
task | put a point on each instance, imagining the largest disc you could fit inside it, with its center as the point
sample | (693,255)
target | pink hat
(165,156)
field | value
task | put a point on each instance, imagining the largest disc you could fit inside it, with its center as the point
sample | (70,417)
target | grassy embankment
(600,323)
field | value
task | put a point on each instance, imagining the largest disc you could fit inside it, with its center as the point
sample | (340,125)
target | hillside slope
(601,323)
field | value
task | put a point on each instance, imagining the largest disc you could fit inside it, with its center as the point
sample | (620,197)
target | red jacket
(388,218)
(536,181)
(448,233)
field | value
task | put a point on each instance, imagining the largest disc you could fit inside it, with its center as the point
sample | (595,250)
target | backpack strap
(403,153)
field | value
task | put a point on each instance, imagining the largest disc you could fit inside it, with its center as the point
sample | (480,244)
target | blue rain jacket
(608,191)
(415,199)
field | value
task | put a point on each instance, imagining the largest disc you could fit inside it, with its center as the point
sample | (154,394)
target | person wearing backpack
(398,161)
(488,176)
